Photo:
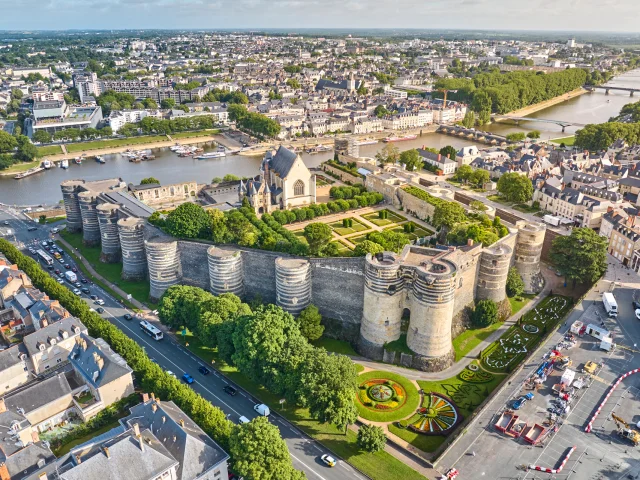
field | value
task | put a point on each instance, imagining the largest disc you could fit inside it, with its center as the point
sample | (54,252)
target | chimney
(78,459)
(153,395)
(145,397)
(3,406)
(609,209)
(106,452)
(439,157)
(42,476)
(136,430)
(154,407)
(44,322)
(470,242)
(181,422)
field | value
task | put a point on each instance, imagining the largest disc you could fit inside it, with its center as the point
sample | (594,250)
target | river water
(169,168)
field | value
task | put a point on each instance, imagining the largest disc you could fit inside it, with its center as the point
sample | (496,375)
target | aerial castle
(420,292)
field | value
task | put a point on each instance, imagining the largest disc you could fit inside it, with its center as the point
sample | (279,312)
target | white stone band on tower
(71,206)
(163,260)
(293,284)
(108,223)
(88,202)
(226,274)
(492,275)
(527,255)
(134,258)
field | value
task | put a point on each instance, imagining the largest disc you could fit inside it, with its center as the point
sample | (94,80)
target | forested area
(501,93)
(255,123)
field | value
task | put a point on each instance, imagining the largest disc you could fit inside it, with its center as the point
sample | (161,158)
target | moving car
(76,291)
(230,390)
(262,409)
(636,305)
(127,317)
(60,281)
(100,310)
(328,460)
(32,229)
(93,297)
(188,379)
(83,280)
(243,419)
(6,222)
(99,301)
(204,370)
(638,313)
(32,250)
(171,374)
(85,290)
(67,266)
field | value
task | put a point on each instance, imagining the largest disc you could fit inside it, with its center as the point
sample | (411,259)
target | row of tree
(254,122)
(601,136)
(72,134)
(257,450)
(15,149)
(268,346)
(157,126)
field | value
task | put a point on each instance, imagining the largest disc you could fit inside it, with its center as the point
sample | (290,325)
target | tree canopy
(310,323)
(411,160)
(188,221)
(581,256)
(515,187)
(148,180)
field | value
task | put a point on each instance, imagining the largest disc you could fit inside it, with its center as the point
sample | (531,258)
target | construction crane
(445,91)
(625,431)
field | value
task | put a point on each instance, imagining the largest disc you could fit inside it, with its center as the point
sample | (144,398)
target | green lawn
(516,305)
(568,141)
(356,227)
(426,443)
(20,167)
(110,271)
(498,199)
(49,150)
(381,222)
(524,208)
(359,368)
(399,346)
(335,346)
(409,406)
(357,239)
(55,219)
(378,466)
(471,338)
(199,133)
(417,233)
(120,142)
(68,446)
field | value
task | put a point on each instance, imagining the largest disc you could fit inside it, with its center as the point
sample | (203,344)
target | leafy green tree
(463,174)
(469,119)
(367,247)
(293,83)
(581,256)
(533,134)
(16,93)
(149,180)
(411,160)
(516,137)
(371,438)
(42,219)
(389,154)
(27,151)
(168,103)
(448,214)
(260,453)
(8,142)
(150,103)
(41,136)
(478,206)
(230,177)
(381,111)
(515,285)
(485,313)
(310,323)
(515,187)
(449,151)
(389,240)
(479,177)
(218,226)
(318,236)
(188,221)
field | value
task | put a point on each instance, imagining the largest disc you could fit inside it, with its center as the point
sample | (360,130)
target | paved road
(305,452)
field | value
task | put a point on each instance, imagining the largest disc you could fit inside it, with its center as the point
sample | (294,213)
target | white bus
(44,256)
(150,330)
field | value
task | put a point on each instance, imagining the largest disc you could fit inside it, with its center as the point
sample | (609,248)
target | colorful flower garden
(437,417)
(384,396)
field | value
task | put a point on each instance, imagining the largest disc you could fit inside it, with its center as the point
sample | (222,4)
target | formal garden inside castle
(401,275)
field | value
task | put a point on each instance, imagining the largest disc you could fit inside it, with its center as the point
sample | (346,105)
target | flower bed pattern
(475,376)
(437,417)
(382,394)
(509,350)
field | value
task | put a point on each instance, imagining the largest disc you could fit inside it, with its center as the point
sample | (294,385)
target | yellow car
(328,460)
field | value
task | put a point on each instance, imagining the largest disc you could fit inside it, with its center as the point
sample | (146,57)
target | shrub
(371,438)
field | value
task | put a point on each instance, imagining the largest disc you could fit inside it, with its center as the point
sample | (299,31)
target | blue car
(521,401)
(188,379)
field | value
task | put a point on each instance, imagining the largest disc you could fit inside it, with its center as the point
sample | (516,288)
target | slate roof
(11,356)
(98,364)
(282,162)
(7,445)
(39,394)
(25,461)
(194,449)
(55,331)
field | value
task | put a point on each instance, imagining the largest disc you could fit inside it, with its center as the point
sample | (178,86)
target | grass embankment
(379,466)
(399,345)
(120,142)
(471,338)
(199,133)
(568,141)
(110,271)
(409,406)
(335,346)
(518,302)
(49,150)
(20,167)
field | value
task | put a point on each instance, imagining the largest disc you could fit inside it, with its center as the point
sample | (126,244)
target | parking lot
(485,452)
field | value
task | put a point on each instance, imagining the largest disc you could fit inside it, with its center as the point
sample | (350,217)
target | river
(169,168)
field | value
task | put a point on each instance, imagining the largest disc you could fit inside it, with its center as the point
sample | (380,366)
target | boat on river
(64,164)
(394,138)
(28,173)
(77,160)
(366,141)
(99,159)
(46,164)
(208,155)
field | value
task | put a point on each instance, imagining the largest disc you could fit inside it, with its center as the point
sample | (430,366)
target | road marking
(312,470)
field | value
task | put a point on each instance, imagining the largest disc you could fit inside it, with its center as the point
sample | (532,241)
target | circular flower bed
(530,328)
(385,397)
(437,417)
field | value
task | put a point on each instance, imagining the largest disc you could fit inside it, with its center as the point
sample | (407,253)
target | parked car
(32,250)
(67,266)
(50,267)
(517,405)
(60,281)
(6,222)
(204,370)
(78,284)
(636,305)
(638,313)
(57,271)
(188,379)
(100,310)
(171,374)
(127,317)
(328,460)
(230,390)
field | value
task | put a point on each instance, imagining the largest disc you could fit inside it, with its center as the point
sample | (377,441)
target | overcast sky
(582,15)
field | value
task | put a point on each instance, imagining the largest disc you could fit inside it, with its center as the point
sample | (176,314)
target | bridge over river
(608,88)
(562,123)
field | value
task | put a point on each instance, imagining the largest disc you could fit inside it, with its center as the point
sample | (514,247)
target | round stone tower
(383,304)
(527,255)
(90,228)
(134,258)
(492,276)
(433,294)
(163,259)
(293,284)
(70,189)
(226,274)
(108,223)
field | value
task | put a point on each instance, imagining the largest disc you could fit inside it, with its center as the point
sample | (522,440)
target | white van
(262,409)
(597,332)
(243,420)
(610,304)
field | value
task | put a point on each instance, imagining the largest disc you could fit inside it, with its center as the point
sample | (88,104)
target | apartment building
(624,241)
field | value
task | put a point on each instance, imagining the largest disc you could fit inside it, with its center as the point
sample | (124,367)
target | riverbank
(523,112)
